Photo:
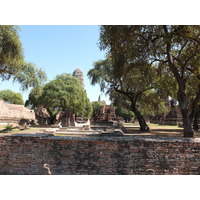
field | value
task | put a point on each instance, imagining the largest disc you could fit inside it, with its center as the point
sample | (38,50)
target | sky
(61,49)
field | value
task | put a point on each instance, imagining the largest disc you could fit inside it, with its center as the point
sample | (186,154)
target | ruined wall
(13,112)
(26,154)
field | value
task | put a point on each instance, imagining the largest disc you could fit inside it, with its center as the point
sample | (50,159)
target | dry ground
(133,130)
(157,130)
(32,130)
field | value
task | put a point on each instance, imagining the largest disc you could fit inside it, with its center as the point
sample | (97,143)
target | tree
(88,108)
(11,97)
(64,94)
(12,63)
(11,54)
(149,103)
(122,106)
(34,98)
(131,83)
(174,48)
(178,46)
(194,110)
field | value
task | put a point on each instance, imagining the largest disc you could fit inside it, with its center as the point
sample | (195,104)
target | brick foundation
(26,154)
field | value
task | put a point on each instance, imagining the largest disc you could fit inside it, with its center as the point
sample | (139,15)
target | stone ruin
(172,117)
(85,129)
(13,113)
(107,113)
(79,75)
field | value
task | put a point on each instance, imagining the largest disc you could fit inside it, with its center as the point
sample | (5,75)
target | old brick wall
(26,154)
(12,112)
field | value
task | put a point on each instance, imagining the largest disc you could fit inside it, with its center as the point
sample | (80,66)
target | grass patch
(3,130)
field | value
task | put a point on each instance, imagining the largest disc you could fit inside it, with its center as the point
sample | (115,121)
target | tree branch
(163,61)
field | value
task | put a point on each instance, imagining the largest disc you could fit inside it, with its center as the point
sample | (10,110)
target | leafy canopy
(12,63)
(65,93)
(172,48)
(11,97)
(96,105)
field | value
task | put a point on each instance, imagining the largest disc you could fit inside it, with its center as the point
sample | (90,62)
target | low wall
(14,113)
(26,154)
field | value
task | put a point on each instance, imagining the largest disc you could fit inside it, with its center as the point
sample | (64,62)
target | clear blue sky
(60,49)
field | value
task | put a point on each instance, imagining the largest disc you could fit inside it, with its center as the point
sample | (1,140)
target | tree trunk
(195,122)
(70,120)
(52,119)
(143,126)
(188,130)
(187,124)
(126,120)
(182,99)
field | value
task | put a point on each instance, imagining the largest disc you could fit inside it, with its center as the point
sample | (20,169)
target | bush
(8,128)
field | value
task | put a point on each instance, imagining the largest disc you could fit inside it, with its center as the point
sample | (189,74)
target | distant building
(79,75)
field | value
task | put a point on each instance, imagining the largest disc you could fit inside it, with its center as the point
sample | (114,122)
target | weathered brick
(26,154)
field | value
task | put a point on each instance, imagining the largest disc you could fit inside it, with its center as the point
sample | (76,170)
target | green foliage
(102,73)
(122,106)
(12,63)
(130,84)
(96,109)
(88,108)
(121,112)
(8,128)
(11,53)
(30,76)
(65,93)
(134,80)
(151,104)
(173,49)
(11,97)
(34,99)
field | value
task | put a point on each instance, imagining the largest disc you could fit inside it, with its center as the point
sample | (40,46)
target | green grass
(31,130)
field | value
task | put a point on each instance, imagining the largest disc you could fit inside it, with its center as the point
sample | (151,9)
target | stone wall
(26,154)
(14,113)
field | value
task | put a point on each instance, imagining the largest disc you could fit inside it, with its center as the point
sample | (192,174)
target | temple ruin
(79,75)
(12,113)
(107,113)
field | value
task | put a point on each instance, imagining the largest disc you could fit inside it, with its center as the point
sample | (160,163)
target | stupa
(79,75)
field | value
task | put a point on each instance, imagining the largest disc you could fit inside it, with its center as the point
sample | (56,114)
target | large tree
(176,48)
(63,94)
(179,47)
(11,97)
(131,83)
(12,63)
(149,103)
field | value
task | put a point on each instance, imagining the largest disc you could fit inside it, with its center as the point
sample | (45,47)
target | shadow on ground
(155,132)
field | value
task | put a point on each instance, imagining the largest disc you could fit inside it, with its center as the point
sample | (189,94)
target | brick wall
(26,154)
(13,112)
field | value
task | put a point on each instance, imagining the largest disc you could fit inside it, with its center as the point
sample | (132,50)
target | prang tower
(79,75)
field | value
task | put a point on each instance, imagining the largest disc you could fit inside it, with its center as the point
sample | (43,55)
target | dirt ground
(132,130)
(157,130)
(32,130)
